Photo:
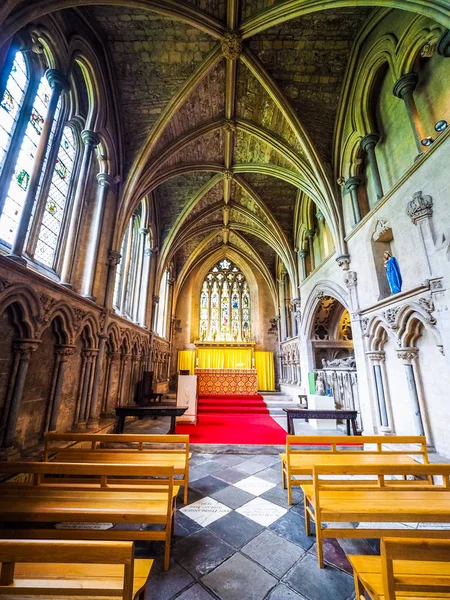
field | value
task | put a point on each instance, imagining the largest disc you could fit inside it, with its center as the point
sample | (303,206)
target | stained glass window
(11,103)
(225,304)
(17,191)
(57,199)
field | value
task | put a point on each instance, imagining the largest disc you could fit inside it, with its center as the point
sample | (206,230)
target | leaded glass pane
(17,191)
(56,201)
(228,311)
(11,103)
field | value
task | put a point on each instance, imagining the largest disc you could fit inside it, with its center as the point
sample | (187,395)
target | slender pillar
(94,405)
(282,308)
(368,144)
(155,302)
(112,358)
(113,260)
(377,358)
(88,356)
(351,186)
(404,89)
(147,261)
(24,350)
(320,227)
(58,84)
(408,355)
(63,354)
(90,140)
(301,255)
(104,183)
(310,233)
(123,364)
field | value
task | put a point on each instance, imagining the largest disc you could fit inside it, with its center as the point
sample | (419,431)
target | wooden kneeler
(61,568)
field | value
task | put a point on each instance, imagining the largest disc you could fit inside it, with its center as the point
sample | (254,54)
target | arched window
(225,304)
(130,286)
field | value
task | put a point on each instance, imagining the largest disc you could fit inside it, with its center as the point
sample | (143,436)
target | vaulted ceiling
(225,130)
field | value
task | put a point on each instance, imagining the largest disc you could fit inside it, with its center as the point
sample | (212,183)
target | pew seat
(62,568)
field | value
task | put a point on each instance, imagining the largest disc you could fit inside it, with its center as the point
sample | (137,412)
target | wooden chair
(64,568)
(415,498)
(151,450)
(144,390)
(407,569)
(298,461)
(72,492)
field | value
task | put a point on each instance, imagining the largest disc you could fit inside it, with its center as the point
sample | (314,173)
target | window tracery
(225,304)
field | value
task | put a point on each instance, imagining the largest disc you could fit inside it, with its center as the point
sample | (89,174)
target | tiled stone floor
(237,539)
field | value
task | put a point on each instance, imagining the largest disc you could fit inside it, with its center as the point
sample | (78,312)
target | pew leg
(359,592)
(289,484)
(186,486)
(307,519)
(319,544)
(283,476)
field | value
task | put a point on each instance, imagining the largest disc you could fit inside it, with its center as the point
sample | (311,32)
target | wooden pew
(348,501)
(406,570)
(152,450)
(299,461)
(64,568)
(95,500)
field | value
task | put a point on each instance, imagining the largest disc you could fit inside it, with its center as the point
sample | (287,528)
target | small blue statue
(393,274)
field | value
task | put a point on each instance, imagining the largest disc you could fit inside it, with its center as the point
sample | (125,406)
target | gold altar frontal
(227,381)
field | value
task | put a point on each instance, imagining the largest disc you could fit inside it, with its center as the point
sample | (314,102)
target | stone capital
(64,351)
(57,81)
(352,183)
(232,45)
(114,258)
(376,356)
(155,299)
(302,253)
(148,252)
(407,355)
(343,261)
(420,207)
(406,84)
(443,45)
(89,353)
(351,279)
(369,141)
(310,233)
(319,216)
(143,231)
(26,348)
(90,138)
(104,179)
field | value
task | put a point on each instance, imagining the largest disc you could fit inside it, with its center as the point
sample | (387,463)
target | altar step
(275,403)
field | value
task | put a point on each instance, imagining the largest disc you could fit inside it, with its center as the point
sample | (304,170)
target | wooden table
(162,410)
(297,413)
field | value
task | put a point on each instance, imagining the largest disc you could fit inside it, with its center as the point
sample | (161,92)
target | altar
(227,381)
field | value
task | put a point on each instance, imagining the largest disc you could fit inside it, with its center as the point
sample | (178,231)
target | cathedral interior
(226,175)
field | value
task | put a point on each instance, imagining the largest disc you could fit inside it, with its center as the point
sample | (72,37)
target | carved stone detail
(227,175)
(420,207)
(79,316)
(231,45)
(376,356)
(407,354)
(390,315)
(26,348)
(364,324)
(428,306)
(343,261)
(383,231)
(351,279)
(114,258)
(229,126)
(4,283)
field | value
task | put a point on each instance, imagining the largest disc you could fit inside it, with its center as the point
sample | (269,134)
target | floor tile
(230,460)
(205,511)
(292,527)
(211,465)
(201,552)
(232,496)
(235,529)
(166,584)
(208,485)
(197,473)
(268,460)
(249,467)
(319,584)
(254,485)
(229,475)
(262,511)
(282,592)
(193,496)
(278,496)
(239,578)
(272,474)
(196,592)
(274,553)
(185,526)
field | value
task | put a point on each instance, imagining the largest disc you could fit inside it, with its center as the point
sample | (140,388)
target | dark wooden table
(161,410)
(298,413)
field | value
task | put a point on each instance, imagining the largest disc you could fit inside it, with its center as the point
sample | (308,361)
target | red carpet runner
(233,420)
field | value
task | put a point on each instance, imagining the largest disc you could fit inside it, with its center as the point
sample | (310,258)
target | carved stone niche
(383,231)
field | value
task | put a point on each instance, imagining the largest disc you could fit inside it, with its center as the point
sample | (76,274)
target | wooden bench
(376,501)
(50,495)
(152,450)
(406,570)
(64,568)
(299,459)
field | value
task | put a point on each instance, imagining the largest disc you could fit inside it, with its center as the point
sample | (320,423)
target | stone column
(134,363)
(94,405)
(120,391)
(104,182)
(310,233)
(320,226)
(111,358)
(59,84)
(408,356)
(63,353)
(282,308)
(90,140)
(146,265)
(351,186)
(88,356)
(404,89)
(368,144)
(113,260)
(155,302)
(301,255)
(377,358)
(23,351)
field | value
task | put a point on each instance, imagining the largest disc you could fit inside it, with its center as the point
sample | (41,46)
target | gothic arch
(322,288)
